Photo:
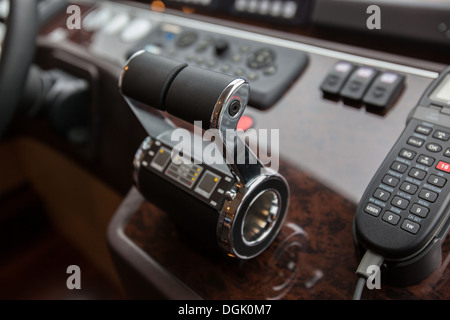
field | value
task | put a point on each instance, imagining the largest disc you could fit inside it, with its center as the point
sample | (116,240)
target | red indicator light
(245,123)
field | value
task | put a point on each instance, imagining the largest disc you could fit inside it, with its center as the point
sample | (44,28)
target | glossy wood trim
(148,278)
(314,256)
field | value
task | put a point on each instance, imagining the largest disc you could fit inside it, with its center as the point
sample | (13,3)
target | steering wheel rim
(16,56)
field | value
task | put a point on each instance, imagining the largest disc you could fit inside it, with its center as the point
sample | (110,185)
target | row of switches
(364,84)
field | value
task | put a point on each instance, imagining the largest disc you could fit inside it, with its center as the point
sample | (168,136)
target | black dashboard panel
(269,69)
(417,20)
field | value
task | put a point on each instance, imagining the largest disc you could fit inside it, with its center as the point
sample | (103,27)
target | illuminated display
(442,91)
(185,173)
(161,158)
(207,184)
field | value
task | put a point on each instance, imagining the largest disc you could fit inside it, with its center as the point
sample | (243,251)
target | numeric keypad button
(409,187)
(437,181)
(391,217)
(419,210)
(381,195)
(418,174)
(400,202)
(428,195)
(399,167)
(390,180)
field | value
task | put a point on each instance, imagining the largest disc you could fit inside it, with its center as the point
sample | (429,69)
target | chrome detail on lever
(242,201)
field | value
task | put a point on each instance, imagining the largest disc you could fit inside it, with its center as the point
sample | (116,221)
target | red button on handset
(443,166)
